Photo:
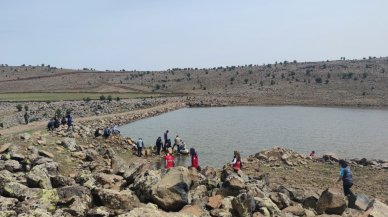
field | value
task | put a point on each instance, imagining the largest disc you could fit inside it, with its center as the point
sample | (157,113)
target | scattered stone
(25,136)
(4,147)
(12,165)
(331,157)
(377,209)
(244,205)
(45,154)
(362,202)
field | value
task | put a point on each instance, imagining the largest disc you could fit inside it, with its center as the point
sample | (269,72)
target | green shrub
(246,80)
(102,97)
(19,107)
(25,107)
(1,125)
(58,113)
(118,99)
(109,98)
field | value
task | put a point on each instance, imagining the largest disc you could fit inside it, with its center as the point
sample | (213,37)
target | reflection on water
(216,132)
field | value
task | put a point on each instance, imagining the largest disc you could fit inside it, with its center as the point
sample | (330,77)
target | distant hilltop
(341,82)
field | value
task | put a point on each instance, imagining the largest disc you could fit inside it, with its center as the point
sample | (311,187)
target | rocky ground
(70,173)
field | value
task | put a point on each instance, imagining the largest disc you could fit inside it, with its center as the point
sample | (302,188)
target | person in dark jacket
(63,121)
(346,177)
(97,133)
(26,118)
(69,122)
(106,132)
(158,145)
(56,123)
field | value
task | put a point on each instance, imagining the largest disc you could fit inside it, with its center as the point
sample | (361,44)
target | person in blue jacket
(346,177)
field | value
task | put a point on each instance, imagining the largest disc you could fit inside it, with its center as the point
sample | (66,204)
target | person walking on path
(140,145)
(158,145)
(346,177)
(26,118)
(236,163)
(169,159)
(165,136)
(194,159)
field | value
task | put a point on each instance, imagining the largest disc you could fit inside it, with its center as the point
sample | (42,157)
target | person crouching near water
(169,159)
(346,177)
(236,163)
(194,159)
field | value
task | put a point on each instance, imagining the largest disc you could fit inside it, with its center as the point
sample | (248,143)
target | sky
(163,34)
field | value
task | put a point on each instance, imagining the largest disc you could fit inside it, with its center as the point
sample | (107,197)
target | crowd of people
(55,122)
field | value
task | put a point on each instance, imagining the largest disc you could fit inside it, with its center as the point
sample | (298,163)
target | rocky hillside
(345,82)
(69,173)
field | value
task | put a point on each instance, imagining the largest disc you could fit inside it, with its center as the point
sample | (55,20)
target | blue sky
(157,35)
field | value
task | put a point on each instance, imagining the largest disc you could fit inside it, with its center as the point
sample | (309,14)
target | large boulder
(244,205)
(19,191)
(331,201)
(38,177)
(280,199)
(145,183)
(108,180)
(377,209)
(113,199)
(362,202)
(131,172)
(266,205)
(233,184)
(69,143)
(75,200)
(7,203)
(172,192)
(61,181)
(12,165)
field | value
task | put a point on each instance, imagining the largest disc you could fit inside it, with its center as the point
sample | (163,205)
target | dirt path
(42,124)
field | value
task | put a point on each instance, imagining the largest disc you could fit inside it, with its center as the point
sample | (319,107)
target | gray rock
(331,202)
(244,205)
(280,199)
(118,199)
(69,143)
(12,166)
(19,191)
(133,171)
(61,181)
(38,177)
(378,209)
(7,203)
(269,206)
(145,183)
(362,202)
(75,200)
(171,192)
(331,157)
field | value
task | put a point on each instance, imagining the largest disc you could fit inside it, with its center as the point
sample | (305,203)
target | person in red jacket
(236,163)
(169,158)
(194,158)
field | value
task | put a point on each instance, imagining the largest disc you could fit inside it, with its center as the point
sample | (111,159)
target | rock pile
(30,185)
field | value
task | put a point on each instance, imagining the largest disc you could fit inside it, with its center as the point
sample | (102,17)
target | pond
(216,132)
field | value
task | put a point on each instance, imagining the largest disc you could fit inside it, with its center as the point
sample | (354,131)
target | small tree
(87,99)
(246,80)
(118,99)
(25,107)
(19,107)
(109,98)
(102,97)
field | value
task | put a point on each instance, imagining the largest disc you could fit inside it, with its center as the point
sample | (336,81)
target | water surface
(217,132)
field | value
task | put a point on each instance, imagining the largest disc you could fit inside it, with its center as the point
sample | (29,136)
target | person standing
(194,158)
(69,121)
(26,118)
(169,159)
(177,142)
(158,145)
(346,177)
(236,163)
(165,136)
(140,145)
(106,132)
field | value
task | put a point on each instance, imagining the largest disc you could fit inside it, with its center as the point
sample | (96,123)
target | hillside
(345,82)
